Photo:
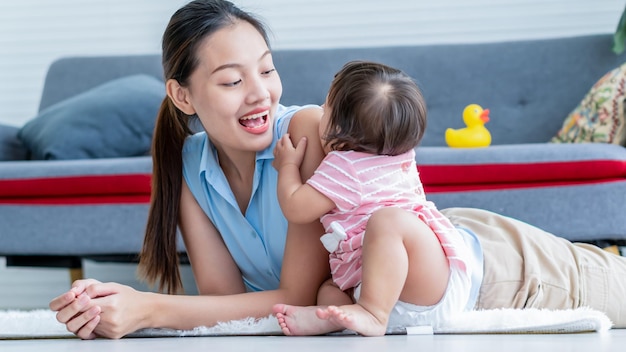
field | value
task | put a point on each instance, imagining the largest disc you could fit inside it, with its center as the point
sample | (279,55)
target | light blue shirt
(255,240)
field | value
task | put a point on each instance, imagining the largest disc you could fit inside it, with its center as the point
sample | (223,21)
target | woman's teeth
(254,120)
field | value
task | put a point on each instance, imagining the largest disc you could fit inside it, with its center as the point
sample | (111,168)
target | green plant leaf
(619,38)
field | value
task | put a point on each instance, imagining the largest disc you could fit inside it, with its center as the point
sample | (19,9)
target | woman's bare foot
(355,318)
(300,321)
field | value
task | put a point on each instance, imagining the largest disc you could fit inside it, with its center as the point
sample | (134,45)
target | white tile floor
(612,341)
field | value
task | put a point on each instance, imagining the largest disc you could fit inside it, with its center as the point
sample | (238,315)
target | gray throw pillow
(115,119)
(11,148)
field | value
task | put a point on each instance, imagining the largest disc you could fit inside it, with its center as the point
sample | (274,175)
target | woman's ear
(179,96)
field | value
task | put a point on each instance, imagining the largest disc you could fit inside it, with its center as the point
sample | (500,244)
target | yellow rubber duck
(475,135)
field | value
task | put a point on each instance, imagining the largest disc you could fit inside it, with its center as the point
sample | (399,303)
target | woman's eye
(268,71)
(232,84)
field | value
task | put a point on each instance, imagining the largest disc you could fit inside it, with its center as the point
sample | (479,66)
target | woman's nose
(258,90)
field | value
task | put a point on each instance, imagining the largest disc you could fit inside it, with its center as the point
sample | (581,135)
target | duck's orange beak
(484,116)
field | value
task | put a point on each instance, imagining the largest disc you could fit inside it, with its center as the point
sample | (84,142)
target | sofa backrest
(69,76)
(529,86)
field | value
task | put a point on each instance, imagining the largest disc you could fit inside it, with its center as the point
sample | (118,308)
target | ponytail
(158,261)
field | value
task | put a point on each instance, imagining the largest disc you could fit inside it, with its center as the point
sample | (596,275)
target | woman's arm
(113,310)
(214,269)
(304,252)
(305,124)
(304,268)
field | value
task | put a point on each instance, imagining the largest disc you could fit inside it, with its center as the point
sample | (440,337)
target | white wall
(328,23)
(35,32)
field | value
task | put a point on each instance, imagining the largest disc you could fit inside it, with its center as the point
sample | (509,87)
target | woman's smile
(256,123)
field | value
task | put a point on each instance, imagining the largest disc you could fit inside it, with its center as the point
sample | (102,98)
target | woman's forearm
(304,269)
(188,312)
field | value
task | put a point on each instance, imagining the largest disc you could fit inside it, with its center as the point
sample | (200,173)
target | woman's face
(235,89)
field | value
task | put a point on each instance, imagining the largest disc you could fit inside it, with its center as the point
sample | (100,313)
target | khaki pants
(526,267)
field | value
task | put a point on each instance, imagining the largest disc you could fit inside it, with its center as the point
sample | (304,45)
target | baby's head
(373,108)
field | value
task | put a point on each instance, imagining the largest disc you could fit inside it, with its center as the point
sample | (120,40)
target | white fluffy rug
(37,324)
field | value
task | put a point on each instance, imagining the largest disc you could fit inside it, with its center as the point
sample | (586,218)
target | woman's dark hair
(374,109)
(186,30)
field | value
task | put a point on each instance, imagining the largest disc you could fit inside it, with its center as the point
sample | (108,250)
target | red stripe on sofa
(145,199)
(76,186)
(548,172)
(135,188)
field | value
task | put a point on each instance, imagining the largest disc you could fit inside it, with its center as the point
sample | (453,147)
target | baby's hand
(285,153)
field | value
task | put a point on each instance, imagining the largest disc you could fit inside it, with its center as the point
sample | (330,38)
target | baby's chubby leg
(402,260)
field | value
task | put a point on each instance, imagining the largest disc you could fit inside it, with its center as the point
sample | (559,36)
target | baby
(391,251)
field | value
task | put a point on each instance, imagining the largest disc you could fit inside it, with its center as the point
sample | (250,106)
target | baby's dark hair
(374,109)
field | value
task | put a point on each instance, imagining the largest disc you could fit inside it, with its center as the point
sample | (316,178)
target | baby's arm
(299,202)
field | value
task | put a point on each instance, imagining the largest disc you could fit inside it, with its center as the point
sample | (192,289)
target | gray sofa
(55,212)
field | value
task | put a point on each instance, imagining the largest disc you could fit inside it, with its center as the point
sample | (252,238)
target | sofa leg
(76,274)
(613,249)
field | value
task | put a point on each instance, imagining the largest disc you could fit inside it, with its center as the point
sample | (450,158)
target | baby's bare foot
(355,318)
(299,321)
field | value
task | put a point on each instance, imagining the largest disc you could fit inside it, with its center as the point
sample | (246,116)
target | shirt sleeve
(337,179)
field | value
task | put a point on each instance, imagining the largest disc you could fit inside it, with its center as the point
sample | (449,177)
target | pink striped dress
(361,183)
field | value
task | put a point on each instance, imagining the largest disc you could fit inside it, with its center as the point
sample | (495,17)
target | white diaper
(453,302)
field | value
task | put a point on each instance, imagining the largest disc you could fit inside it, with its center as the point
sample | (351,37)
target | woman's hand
(76,310)
(123,309)
(91,309)
(285,153)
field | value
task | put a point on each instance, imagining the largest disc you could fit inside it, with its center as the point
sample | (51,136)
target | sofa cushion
(11,148)
(600,115)
(115,119)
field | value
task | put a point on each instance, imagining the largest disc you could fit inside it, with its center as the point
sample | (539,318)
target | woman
(218,67)
(222,195)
